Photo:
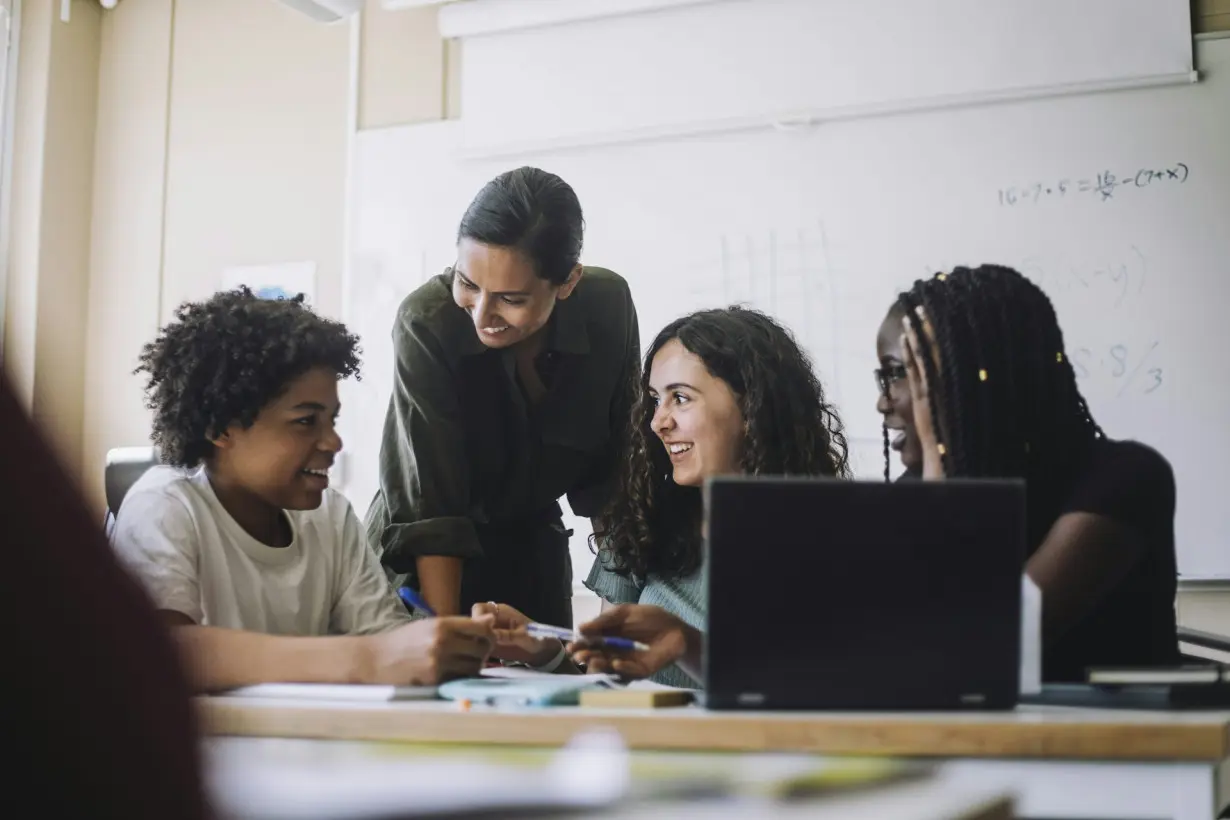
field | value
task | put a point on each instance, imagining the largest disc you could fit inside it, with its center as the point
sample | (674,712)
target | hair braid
(960,359)
(888,475)
(1027,418)
(988,377)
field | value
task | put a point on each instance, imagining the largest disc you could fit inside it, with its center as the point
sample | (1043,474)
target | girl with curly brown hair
(723,392)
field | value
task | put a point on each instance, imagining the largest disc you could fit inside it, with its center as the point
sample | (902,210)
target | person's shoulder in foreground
(100,707)
(245,401)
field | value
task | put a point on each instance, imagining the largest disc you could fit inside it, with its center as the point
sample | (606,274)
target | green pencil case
(560,690)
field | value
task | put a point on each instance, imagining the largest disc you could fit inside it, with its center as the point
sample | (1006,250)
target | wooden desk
(1060,761)
(1047,732)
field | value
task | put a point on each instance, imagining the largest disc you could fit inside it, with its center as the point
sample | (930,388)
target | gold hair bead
(1059,357)
(943,450)
(941,276)
(982,375)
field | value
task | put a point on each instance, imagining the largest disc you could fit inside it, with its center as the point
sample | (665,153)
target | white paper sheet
(329,691)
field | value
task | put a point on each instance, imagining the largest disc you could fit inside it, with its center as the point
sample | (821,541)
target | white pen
(538,630)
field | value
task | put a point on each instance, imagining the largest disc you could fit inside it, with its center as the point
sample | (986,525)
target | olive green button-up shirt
(464,451)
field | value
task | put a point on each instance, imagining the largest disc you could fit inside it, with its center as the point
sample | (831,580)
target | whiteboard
(719,64)
(1115,203)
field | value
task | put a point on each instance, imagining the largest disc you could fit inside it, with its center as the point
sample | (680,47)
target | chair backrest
(1202,639)
(124,466)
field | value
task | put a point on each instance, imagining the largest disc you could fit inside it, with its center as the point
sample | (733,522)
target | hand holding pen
(514,641)
(522,640)
(537,630)
(658,637)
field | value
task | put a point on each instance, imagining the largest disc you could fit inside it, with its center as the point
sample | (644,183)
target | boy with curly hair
(260,567)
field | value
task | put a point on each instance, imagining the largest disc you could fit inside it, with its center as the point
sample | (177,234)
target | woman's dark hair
(533,211)
(1004,394)
(652,525)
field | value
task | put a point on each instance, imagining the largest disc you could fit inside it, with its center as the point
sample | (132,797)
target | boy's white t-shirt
(194,558)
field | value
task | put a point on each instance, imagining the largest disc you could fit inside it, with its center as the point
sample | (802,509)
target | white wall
(50,214)
(402,67)
(130,155)
(256,146)
(701,65)
(222,140)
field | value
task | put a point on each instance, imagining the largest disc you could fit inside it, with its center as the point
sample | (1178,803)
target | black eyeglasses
(889,375)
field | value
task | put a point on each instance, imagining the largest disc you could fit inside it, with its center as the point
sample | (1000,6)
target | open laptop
(828,594)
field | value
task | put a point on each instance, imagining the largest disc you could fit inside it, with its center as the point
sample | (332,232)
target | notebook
(1195,673)
(1135,696)
(516,688)
(638,694)
(332,691)
(495,683)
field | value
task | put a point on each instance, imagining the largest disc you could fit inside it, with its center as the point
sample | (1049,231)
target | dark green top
(464,452)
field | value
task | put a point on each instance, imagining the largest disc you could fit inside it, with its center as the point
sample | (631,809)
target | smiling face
(507,301)
(697,416)
(283,459)
(894,402)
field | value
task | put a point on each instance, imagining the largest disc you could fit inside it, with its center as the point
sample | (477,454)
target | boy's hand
(427,652)
(512,642)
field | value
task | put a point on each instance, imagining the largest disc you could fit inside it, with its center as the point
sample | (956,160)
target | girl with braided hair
(723,392)
(975,382)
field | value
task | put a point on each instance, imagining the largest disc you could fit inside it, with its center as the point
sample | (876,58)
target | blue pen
(616,642)
(537,630)
(413,601)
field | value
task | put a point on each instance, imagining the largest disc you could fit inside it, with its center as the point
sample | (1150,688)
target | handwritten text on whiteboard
(1104,186)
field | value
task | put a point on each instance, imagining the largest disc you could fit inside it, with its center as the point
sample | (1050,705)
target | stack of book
(1191,686)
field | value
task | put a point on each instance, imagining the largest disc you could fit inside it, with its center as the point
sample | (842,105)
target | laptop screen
(830,594)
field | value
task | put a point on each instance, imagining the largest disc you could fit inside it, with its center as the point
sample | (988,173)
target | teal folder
(556,690)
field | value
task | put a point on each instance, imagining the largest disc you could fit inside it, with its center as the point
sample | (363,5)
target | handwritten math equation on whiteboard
(1122,369)
(1105,185)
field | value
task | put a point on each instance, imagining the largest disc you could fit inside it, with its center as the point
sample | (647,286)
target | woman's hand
(920,395)
(670,640)
(512,642)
